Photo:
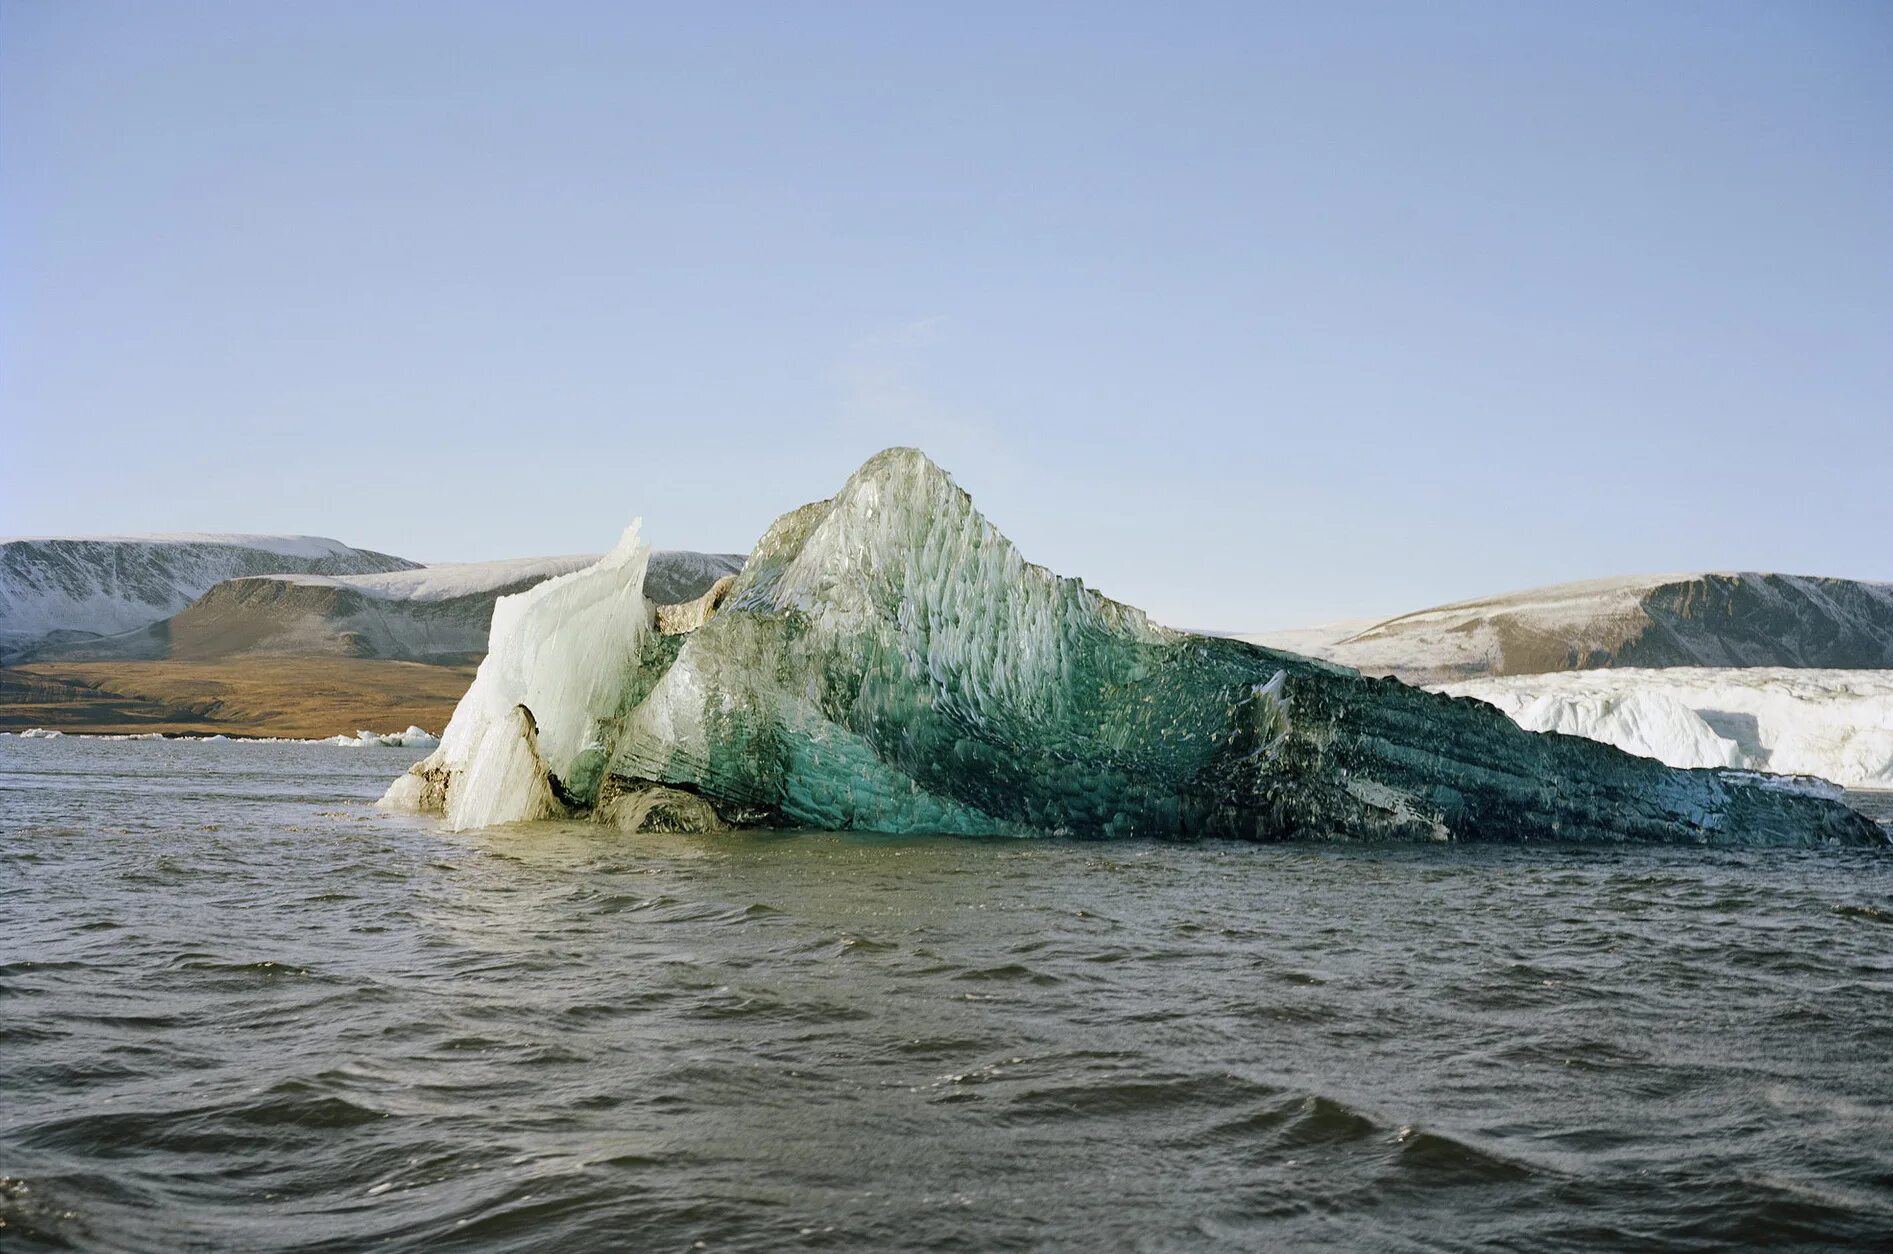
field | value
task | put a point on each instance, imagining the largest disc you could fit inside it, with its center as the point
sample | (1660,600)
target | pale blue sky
(1250,314)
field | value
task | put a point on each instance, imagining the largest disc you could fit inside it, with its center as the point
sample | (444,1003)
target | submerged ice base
(887,660)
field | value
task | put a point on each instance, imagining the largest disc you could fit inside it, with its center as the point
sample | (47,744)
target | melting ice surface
(887,660)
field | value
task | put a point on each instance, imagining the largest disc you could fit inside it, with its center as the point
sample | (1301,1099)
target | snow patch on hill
(680,571)
(447,580)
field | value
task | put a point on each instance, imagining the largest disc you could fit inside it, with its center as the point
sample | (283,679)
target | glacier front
(886,660)
(1835,724)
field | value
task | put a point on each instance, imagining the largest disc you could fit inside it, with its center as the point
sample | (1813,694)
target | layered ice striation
(887,660)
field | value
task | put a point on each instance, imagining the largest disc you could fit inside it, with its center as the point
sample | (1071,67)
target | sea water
(240,1008)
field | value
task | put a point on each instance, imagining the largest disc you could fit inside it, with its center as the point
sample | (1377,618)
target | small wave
(861,946)
(1322,1120)
(123,1133)
(1010,972)
(1134,1096)
(290,1106)
(752,1005)
(936,1047)
(1430,1160)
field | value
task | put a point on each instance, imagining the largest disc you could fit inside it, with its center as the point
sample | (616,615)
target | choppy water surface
(240,1009)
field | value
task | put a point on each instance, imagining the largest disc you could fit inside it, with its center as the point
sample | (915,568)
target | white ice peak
(556,667)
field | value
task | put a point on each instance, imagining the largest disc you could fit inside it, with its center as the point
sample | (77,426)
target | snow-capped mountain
(67,588)
(421,614)
(1742,619)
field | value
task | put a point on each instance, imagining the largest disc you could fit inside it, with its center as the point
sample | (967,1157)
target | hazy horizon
(1253,318)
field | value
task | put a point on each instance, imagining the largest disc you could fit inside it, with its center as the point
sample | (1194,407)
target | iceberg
(887,660)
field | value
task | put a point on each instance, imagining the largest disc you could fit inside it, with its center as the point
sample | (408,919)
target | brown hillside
(299,697)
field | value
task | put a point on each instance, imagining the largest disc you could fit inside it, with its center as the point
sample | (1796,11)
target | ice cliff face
(1708,620)
(887,660)
(1835,724)
(54,588)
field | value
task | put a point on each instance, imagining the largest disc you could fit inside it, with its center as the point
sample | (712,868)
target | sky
(1254,315)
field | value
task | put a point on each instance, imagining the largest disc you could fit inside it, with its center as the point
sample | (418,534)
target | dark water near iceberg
(240,1009)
